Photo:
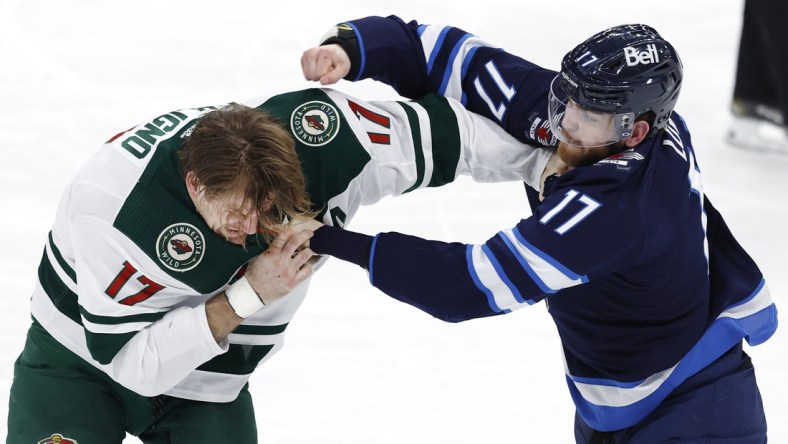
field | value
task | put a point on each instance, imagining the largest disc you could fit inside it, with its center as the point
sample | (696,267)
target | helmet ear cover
(628,71)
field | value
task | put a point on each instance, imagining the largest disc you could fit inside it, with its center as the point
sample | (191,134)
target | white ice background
(358,366)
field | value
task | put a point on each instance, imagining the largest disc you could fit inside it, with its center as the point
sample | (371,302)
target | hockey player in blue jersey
(651,293)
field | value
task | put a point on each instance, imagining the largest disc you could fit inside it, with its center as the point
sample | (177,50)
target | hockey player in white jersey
(157,295)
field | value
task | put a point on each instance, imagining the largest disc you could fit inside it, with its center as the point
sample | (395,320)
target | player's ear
(192,185)
(639,132)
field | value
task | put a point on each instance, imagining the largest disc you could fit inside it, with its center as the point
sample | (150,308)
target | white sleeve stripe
(61,273)
(526,266)
(431,40)
(546,257)
(224,386)
(757,301)
(113,328)
(488,277)
(478,282)
(550,272)
(615,396)
(502,275)
(451,85)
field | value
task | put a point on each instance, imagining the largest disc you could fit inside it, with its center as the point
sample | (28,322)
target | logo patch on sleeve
(315,123)
(57,438)
(180,247)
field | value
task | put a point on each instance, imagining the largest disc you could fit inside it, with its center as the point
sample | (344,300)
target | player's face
(585,136)
(231,217)
(585,128)
(577,125)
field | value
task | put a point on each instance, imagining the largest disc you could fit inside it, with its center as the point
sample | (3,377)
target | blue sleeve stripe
(361,48)
(756,315)
(466,62)
(372,258)
(476,280)
(464,71)
(547,258)
(420,30)
(488,276)
(450,63)
(502,275)
(437,48)
(525,265)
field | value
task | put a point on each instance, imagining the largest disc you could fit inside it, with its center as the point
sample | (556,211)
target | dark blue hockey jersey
(645,282)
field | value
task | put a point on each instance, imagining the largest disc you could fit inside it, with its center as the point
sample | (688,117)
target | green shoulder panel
(331,155)
(160,218)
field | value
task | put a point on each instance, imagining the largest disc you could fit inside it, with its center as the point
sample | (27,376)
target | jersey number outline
(123,277)
(507,90)
(379,119)
(590,206)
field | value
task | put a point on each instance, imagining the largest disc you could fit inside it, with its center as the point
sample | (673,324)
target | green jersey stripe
(103,347)
(64,299)
(446,144)
(59,257)
(260,329)
(418,148)
(238,360)
(116,320)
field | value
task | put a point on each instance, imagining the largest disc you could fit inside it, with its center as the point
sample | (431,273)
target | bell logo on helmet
(646,57)
(637,72)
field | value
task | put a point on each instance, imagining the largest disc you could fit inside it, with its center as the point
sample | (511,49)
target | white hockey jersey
(129,262)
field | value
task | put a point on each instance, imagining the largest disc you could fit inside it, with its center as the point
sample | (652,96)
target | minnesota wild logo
(57,438)
(315,123)
(180,247)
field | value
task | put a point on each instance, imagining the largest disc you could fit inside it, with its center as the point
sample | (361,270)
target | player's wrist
(243,299)
(344,36)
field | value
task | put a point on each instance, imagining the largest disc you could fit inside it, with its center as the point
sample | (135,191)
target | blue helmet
(626,71)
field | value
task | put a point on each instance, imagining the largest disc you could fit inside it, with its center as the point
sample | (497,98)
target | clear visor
(578,126)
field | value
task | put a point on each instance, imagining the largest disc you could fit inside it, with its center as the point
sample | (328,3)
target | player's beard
(576,156)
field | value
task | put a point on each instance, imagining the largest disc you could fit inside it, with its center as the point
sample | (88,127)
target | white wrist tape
(243,299)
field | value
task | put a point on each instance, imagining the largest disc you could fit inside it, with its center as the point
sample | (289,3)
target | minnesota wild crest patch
(57,438)
(315,123)
(180,247)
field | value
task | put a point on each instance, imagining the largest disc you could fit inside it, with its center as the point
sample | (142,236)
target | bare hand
(328,64)
(283,266)
(297,226)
